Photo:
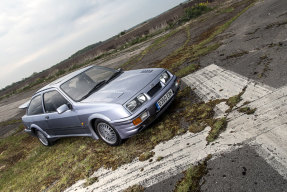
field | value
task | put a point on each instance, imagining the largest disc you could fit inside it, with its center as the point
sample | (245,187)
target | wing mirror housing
(63,108)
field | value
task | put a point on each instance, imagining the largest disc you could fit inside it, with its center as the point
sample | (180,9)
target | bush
(196,11)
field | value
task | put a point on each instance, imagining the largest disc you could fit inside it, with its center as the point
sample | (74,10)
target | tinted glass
(35,106)
(53,100)
(80,85)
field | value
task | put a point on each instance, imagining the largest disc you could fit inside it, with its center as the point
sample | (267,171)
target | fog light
(144,116)
(177,82)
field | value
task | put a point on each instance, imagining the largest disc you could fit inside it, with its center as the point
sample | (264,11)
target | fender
(36,127)
(96,116)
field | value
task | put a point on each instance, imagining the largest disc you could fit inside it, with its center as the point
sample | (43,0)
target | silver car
(99,102)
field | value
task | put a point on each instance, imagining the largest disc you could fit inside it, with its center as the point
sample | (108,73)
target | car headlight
(132,105)
(136,102)
(164,77)
(141,98)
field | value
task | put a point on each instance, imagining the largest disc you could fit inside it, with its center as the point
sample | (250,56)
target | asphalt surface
(255,45)
(242,170)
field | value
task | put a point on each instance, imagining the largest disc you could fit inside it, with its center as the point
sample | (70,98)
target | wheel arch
(35,128)
(92,119)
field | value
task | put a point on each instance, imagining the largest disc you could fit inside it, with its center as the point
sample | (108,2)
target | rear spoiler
(25,105)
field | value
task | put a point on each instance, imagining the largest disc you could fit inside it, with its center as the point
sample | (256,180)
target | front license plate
(164,99)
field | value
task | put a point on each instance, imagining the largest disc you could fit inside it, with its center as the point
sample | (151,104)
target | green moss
(227,10)
(187,70)
(134,188)
(234,100)
(192,177)
(218,126)
(247,110)
(196,127)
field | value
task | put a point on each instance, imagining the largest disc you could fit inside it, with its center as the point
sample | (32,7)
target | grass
(247,110)
(146,155)
(10,122)
(217,127)
(187,70)
(195,11)
(227,10)
(55,168)
(192,177)
(134,188)
(90,181)
(234,100)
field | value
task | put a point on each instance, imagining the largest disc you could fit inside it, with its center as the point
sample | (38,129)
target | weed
(159,158)
(226,10)
(90,181)
(234,100)
(247,110)
(187,70)
(134,188)
(218,126)
(146,155)
(10,122)
(193,176)
(195,11)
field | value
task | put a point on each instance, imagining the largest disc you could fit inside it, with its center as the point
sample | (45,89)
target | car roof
(58,82)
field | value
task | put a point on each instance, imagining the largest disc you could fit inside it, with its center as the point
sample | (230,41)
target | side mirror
(63,108)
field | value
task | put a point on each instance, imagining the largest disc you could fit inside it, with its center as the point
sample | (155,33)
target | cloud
(35,35)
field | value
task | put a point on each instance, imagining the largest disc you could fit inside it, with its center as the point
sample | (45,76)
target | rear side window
(53,100)
(35,106)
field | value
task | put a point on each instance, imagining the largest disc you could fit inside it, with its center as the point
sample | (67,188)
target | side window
(53,100)
(35,106)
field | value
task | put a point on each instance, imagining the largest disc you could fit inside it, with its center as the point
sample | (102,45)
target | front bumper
(126,128)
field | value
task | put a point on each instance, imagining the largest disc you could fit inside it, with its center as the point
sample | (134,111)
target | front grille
(154,90)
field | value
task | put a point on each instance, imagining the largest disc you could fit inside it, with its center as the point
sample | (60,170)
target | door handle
(47,117)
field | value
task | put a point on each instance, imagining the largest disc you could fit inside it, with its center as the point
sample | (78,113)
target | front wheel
(43,139)
(107,133)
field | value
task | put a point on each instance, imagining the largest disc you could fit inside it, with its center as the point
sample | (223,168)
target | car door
(66,123)
(35,115)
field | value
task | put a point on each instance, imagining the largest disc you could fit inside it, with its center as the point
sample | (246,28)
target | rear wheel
(42,138)
(107,133)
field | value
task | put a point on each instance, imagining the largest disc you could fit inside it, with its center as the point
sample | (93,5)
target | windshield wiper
(119,71)
(96,87)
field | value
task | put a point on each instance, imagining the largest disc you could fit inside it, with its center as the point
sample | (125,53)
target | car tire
(43,139)
(107,133)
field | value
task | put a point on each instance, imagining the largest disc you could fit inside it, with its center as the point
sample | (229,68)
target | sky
(37,34)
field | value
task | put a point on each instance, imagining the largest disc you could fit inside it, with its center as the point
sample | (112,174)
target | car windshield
(82,85)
